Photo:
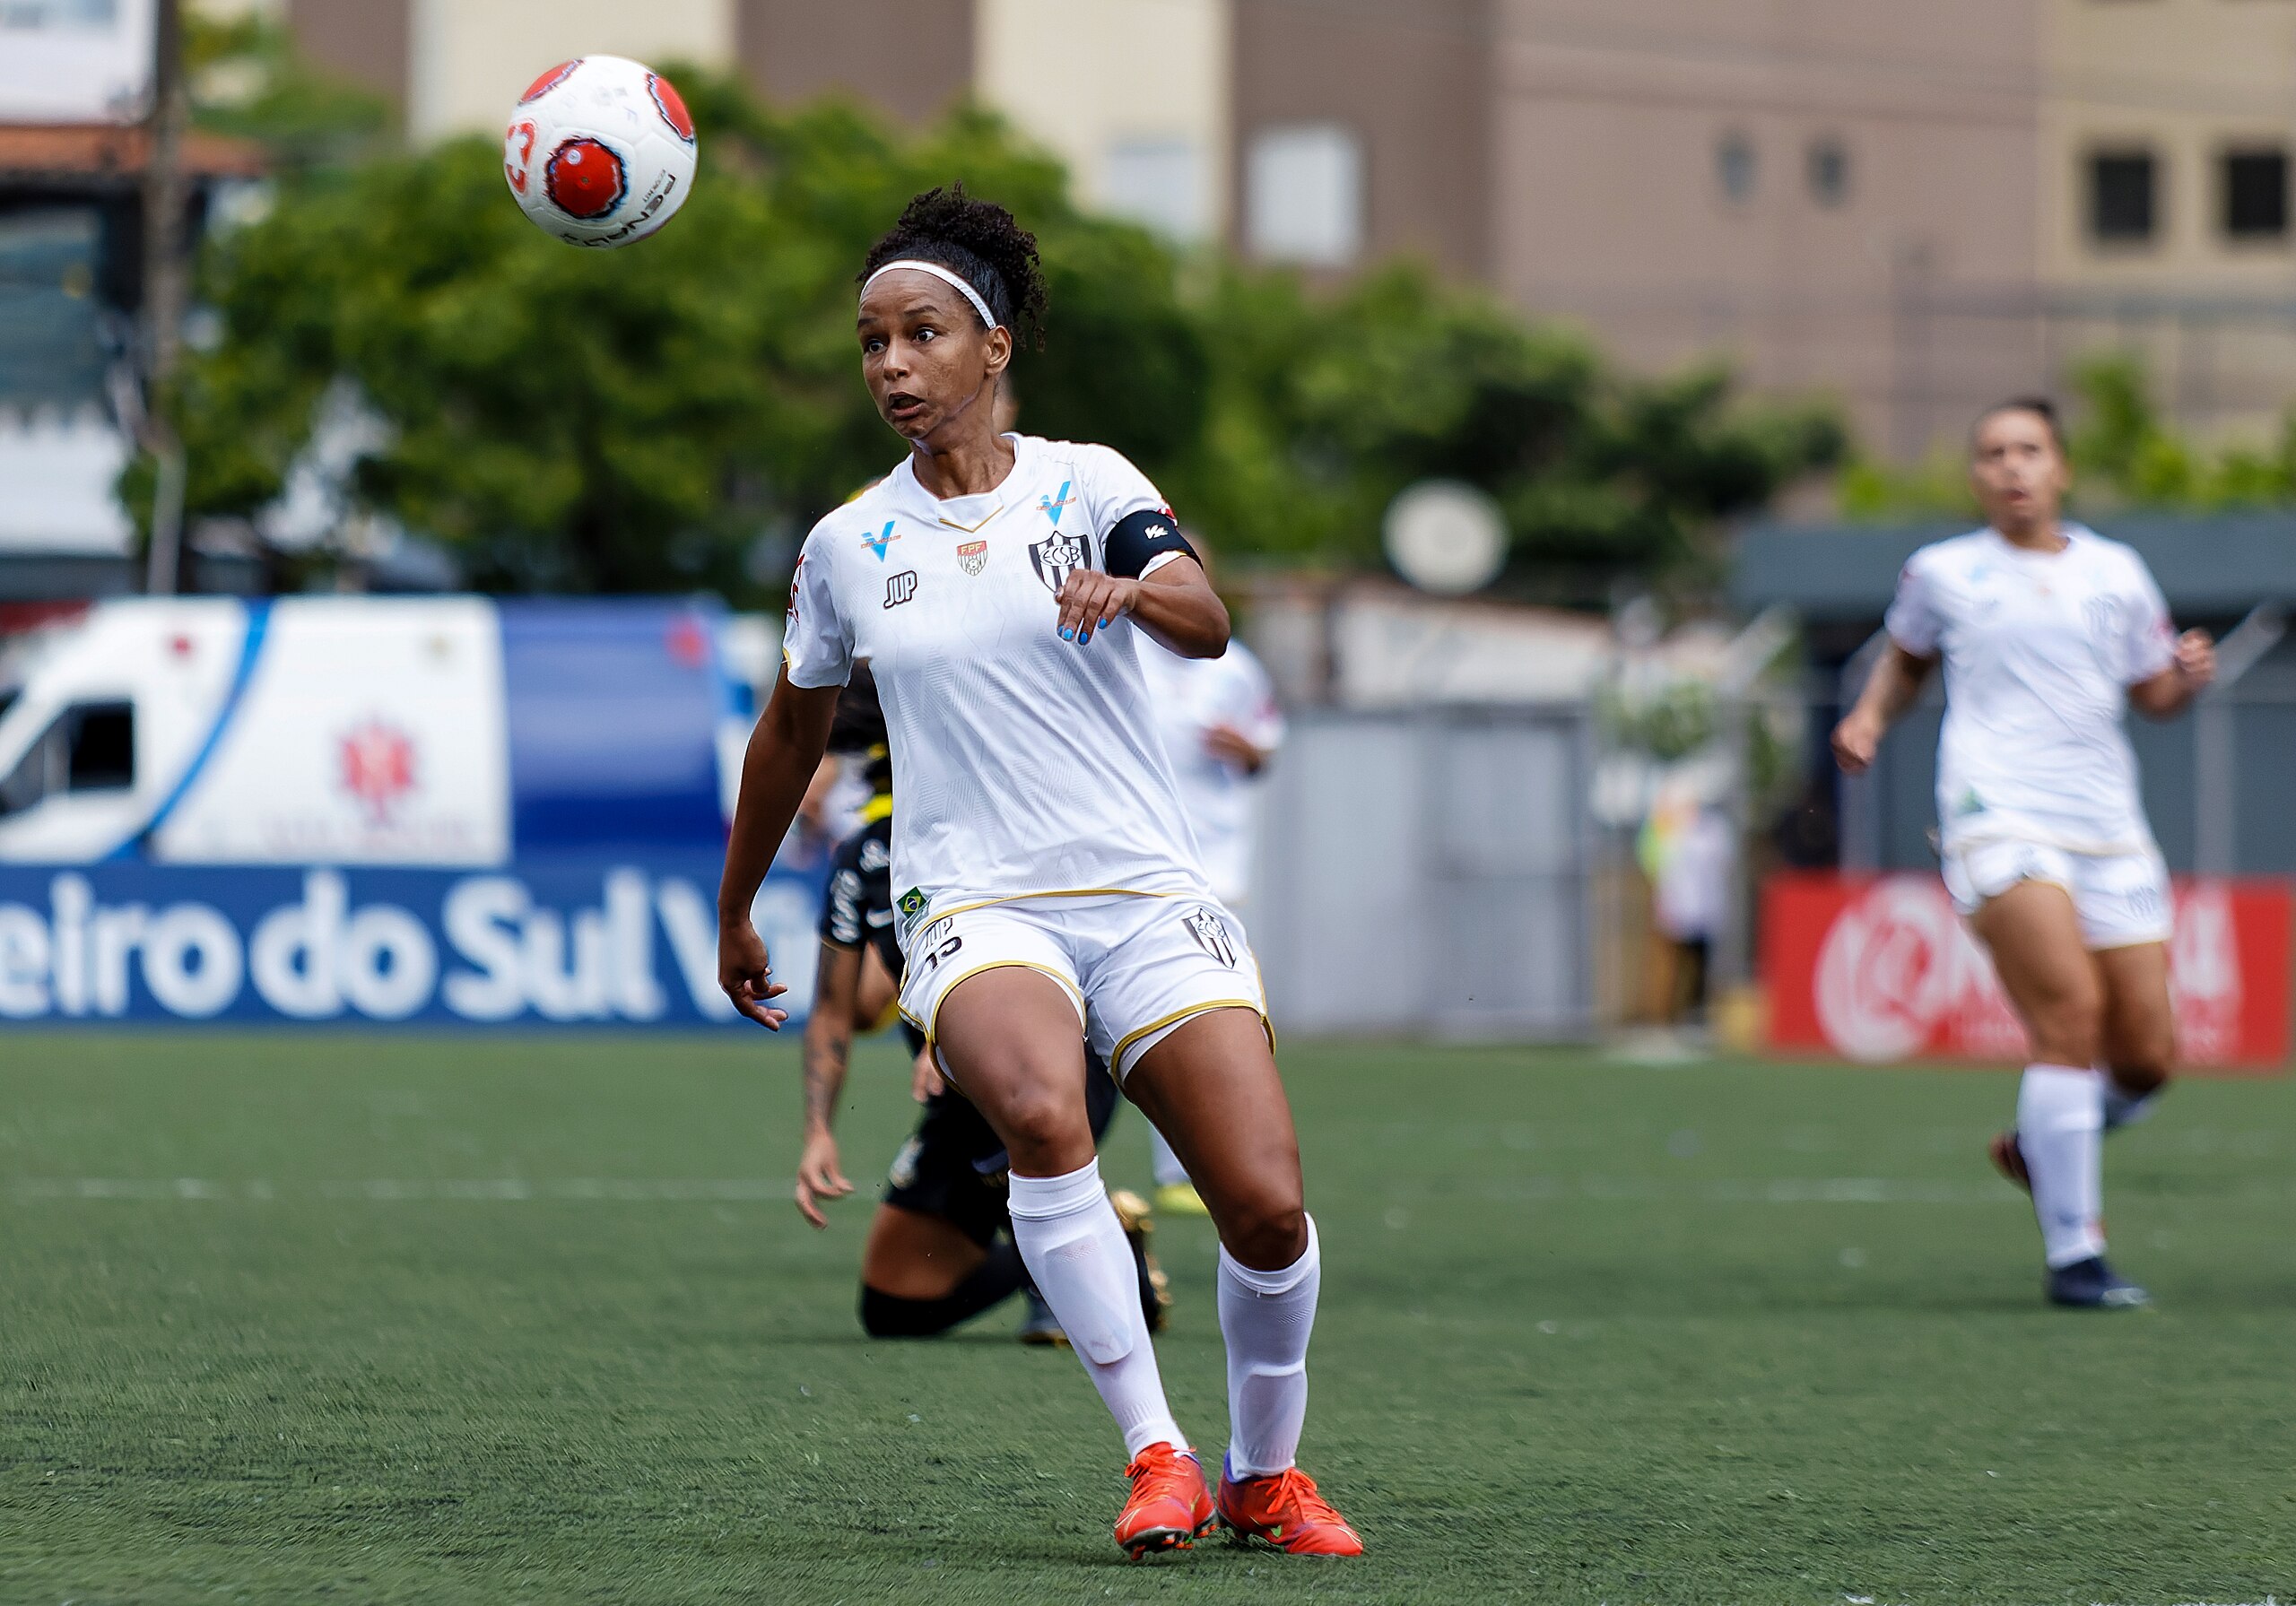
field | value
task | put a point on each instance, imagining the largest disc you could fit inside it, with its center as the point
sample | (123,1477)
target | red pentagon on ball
(584,179)
(550,80)
(672,105)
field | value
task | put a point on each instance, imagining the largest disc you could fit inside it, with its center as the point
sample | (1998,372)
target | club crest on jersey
(1055,558)
(1211,934)
(972,557)
(882,539)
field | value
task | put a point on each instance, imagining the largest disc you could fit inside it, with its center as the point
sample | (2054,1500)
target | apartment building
(2166,133)
(1131,94)
(1915,206)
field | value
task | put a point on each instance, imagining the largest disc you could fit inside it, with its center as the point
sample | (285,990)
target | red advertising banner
(1879,969)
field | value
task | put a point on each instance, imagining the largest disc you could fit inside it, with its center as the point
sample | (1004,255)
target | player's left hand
(2196,659)
(1091,599)
(746,973)
(1231,746)
(925,1077)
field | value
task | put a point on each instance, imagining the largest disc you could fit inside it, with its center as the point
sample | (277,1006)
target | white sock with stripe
(1073,1245)
(2060,1131)
(1266,1317)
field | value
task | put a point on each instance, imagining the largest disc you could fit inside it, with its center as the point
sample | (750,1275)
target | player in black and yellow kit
(941,1248)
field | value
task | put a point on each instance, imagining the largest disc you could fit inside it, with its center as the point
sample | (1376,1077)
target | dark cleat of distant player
(2093,1285)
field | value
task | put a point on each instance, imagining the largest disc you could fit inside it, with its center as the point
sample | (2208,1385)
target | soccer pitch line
(513,1190)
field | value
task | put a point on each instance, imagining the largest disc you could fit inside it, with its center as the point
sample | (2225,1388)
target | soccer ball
(600,151)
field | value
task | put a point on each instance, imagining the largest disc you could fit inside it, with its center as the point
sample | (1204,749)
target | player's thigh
(2140,1028)
(2034,932)
(913,1256)
(1002,1012)
(1211,1087)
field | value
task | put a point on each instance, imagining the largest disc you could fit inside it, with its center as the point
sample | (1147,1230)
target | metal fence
(2219,784)
(1430,872)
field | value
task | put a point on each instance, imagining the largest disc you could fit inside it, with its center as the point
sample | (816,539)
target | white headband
(946,276)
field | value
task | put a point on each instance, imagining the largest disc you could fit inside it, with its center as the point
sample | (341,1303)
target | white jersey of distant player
(1190,696)
(2039,651)
(1024,764)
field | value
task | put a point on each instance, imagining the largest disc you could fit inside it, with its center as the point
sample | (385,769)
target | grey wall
(1427,872)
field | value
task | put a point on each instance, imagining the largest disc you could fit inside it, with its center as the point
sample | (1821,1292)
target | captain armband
(1140,539)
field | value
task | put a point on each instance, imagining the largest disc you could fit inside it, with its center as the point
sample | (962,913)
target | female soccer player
(997,585)
(2048,632)
(939,1250)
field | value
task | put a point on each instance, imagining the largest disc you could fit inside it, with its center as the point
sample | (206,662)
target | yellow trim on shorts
(932,1037)
(1116,1059)
(932,914)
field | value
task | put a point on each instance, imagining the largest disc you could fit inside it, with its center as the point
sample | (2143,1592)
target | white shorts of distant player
(2121,897)
(1136,966)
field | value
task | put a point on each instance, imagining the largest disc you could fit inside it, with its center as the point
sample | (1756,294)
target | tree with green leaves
(2124,454)
(673,415)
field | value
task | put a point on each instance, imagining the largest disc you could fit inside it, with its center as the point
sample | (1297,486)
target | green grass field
(292,1318)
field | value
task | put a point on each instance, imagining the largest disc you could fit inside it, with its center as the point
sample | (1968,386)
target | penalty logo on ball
(615,149)
(586,179)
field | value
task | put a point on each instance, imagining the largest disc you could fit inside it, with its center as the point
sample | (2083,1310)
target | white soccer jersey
(1022,764)
(1190,696)
(2040,649)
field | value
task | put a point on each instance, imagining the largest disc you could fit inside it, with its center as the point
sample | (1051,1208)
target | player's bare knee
(1266,1233)
(2143,1071)
(2068,1029)
(1045,1131)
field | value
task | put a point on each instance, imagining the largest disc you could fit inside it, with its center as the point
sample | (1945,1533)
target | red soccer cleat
(2009,1159)
(1170,1508)
(1287,1511)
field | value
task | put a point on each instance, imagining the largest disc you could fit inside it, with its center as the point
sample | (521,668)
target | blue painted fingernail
(1068,635)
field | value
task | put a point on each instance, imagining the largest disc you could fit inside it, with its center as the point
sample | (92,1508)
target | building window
(2256,194)
(1158,182)
(2124,188)
(1733,167)
(1303,195)
(1829,172)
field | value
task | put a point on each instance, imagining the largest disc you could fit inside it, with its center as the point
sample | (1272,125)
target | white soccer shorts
(2122,898)
(1136,966)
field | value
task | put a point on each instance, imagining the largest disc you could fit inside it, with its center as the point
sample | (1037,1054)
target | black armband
(1138,538)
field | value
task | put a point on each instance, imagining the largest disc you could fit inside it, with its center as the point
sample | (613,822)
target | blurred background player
(940,1249)
(2048,633)
(1220,724)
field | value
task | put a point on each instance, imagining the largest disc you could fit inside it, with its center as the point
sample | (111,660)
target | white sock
(2060,1130)
(1266,1317)
(1162,1163)
(2124,1109)
(1073,1245)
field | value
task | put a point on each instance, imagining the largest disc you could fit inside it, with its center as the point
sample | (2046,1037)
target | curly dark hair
(978,240)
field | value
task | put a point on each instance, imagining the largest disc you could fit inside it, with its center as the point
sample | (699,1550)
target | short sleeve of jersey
(1914,622)
(2148,637)
(816,644)
(1113,489)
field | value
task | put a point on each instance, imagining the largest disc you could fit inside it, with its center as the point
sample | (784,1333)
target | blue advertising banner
(633,943)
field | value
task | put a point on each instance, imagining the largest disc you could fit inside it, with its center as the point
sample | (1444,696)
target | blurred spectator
(1688,851)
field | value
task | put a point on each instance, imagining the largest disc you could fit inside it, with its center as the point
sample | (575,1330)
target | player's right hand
(745,974)
(1856,739)
(819,1177)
